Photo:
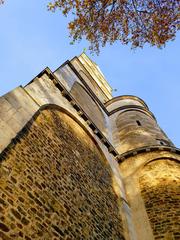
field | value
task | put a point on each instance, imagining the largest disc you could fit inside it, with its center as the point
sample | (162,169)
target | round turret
(133,125)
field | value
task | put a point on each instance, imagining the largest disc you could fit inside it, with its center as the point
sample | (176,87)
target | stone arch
(62,109)
(56,184)
(141,163)
(160,158)
(160,189)
(89,106)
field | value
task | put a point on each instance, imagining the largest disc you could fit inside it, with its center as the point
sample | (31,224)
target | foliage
(130,21)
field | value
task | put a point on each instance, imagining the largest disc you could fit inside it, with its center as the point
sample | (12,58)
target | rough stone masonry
(76,163)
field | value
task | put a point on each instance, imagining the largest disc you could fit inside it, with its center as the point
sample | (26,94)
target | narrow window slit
(138,123)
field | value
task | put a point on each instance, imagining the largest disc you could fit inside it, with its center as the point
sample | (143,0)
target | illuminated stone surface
(160,189)
(76,163)
(55,184)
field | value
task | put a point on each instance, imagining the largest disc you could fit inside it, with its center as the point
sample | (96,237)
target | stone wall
(152,186)
(89,106)
(56,184)
(160,189)
(137,129)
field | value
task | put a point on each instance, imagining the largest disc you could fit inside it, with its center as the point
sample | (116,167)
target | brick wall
(55,184)
(160,188)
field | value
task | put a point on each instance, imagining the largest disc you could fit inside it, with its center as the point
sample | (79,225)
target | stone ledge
(146,149)
(133,108)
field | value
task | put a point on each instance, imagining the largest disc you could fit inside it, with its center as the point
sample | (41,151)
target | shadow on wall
(56,184)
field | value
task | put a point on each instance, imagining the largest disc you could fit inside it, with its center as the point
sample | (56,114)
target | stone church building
(79,164)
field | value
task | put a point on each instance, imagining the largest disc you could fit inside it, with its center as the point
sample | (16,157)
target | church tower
(79,164)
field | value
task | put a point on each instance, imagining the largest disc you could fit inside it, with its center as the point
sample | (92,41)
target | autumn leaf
(129,21)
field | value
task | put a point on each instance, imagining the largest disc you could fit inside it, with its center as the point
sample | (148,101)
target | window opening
(162,142)
(138,123)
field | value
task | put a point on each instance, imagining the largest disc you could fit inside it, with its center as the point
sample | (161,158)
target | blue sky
(33,38)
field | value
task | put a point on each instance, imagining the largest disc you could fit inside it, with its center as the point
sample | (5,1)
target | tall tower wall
(133,125)
(149,165)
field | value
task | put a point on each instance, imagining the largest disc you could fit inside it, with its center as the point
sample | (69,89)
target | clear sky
(32,38)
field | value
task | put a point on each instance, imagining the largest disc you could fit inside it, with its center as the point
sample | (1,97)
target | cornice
(146,149)
(115,99)
(133,108)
